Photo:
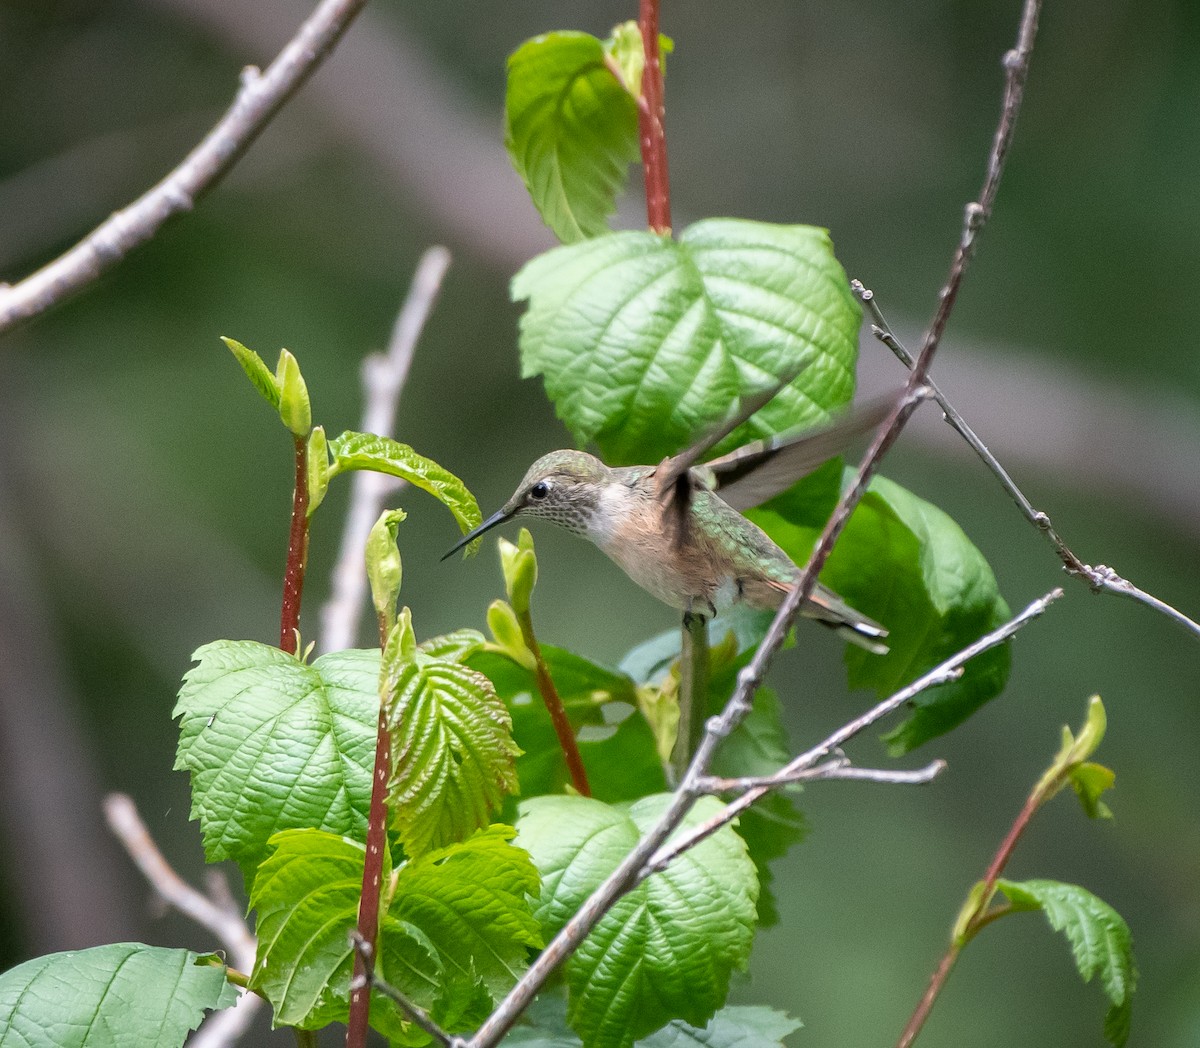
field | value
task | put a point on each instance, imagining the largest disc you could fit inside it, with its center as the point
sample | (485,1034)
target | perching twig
(383,378)
(364,954)
(837,768)
(1101,579)
(217,913)
(940,674)
(260,97)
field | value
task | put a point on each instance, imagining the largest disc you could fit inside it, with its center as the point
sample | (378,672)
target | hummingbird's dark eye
(539,491)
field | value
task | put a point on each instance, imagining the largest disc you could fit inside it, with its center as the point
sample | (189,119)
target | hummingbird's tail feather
(829,609)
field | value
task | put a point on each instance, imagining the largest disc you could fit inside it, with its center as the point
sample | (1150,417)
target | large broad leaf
(570,129)
(122,994)
(614,740)
(453,755)
(645,341)
(384,455)
(473,901)
(273,743)
(1100,942)
(306,896)
(455,929)
(666,949)
(906,564)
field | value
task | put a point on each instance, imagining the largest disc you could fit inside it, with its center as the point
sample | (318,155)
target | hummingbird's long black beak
(499,517)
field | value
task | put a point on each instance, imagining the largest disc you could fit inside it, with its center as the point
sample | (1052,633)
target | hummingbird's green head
(562,486)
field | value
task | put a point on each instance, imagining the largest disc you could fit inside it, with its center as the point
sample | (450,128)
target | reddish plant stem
(558,712)
(981,917)
(297,555)
(652,135)
(368,906)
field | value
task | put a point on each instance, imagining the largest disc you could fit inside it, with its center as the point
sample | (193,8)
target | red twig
(368,906)
(297,556)
(650,123)
(558,713)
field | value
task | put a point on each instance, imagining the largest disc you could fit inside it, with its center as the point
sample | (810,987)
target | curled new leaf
(384,569)
(318,468)
(256,371)
(520,570)
(453,755)
(384,455)
(294,406)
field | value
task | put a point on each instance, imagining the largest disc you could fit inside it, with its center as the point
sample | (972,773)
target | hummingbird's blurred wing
(752,474)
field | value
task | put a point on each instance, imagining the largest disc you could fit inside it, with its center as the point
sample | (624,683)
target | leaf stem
(368,907)
(978,919)
(297,555)
(652,135)
(554,705)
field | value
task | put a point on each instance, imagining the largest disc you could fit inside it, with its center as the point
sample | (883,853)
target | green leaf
(294,406)
(456,646)
(738,1026)
(1072,754)
(384,568)
(614,740)
(472,900)
(306,896)
(666,949)
(1090,781)
(318,468)
(1100,942)
(645,342)
(384,455)
(121,994)
(571,130)
(256,371)
(519,564)
(273,743)
(453,756)
(906,564)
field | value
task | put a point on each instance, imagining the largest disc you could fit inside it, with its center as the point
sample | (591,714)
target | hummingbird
(675,529)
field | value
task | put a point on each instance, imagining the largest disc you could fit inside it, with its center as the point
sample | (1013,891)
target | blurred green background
(144,488)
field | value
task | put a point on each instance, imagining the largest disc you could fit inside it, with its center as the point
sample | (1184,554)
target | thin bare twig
(838,768)
(260,97)
(940,674)
(365,955)
(383,379)
(1101,578)
(218,913)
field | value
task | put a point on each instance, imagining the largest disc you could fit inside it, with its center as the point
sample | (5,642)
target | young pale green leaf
(645,342)
(1090,780)
(1100,942)
(384,568)
(306,896)
(453,755)
(519,564)
(384,455)
(1074,752)
(294,406)
(124,993)
(256,371)
(614,741)
(665,950)
(571,130)
(907,565)
(473,900)
(507,637)
(455,646)
(318,468)
(273,743)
